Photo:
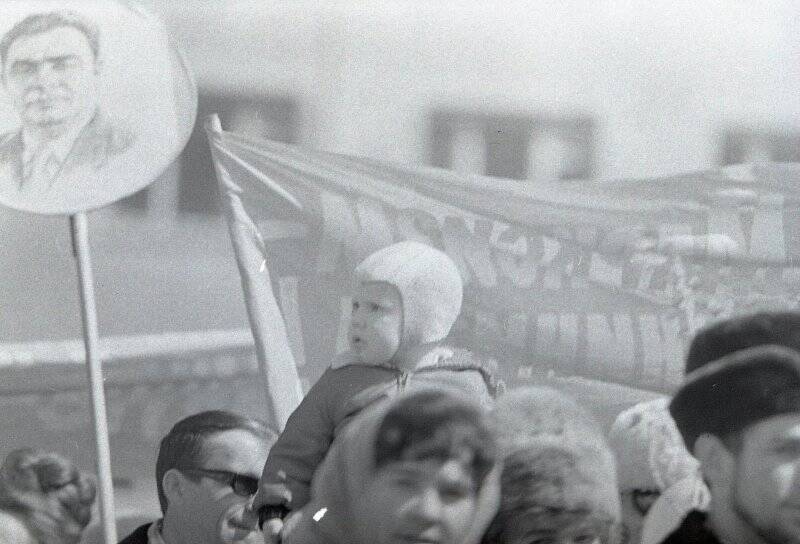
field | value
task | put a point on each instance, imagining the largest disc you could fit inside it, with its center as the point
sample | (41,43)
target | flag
(267,325)
(606,279)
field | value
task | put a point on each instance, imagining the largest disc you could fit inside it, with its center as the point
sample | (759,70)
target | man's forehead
(57,42)
(237,450)
(431,467)
(378,290)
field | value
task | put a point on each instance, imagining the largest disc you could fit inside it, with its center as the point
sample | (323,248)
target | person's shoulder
(347,362)
(139,536)
(112,135)
(466,363)
(118,135)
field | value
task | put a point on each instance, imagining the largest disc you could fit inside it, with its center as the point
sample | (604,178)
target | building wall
(520,89)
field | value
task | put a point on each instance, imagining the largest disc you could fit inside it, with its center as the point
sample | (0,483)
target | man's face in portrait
(51,78)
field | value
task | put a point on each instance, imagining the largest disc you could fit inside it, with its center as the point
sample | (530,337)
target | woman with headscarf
(419,468)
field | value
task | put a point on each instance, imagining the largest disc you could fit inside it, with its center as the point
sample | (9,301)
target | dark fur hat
(737,390)
(747,331)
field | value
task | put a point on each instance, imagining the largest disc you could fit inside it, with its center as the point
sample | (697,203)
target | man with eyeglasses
(206,473)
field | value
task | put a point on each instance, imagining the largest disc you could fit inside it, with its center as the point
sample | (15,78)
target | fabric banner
(604,279)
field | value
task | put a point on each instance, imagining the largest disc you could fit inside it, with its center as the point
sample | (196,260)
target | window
(513,146)
(268,117)
(740,145)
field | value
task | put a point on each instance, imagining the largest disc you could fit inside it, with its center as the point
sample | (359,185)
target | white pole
(91,341)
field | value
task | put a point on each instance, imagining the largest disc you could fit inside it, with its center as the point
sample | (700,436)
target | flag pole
(273,352)
(91,341)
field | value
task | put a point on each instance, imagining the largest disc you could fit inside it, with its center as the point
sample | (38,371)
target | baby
(406,298)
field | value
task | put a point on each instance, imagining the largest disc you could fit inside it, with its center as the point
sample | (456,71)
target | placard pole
(91,341)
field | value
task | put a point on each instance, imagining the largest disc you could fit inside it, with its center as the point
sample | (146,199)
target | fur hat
(429,284)
(724,337)
(649,448)
(737,390)
(524,414)
(552,485)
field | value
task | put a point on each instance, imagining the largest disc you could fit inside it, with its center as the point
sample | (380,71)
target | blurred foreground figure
(659,480)
(740,417)
(558,480)
(206,474)
(419,468)
(44,499)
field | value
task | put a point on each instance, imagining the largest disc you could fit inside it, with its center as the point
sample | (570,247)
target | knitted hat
(724,337)
(737,390)
(429,284)
(649,448)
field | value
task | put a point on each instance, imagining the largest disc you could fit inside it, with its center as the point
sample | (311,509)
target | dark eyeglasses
(242,485)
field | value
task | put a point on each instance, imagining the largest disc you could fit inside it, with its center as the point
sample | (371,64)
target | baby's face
(376,323)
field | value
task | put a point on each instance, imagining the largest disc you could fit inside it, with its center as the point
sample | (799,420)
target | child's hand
(270,504)
(272,494)
(272,530)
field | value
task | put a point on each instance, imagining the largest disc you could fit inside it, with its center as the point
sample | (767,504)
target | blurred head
(418,468)
(46,494)
(207,470)
(651,458)
(556,493)
(423,287)
(431,456)
(740,416)
(50,68)
(559,479)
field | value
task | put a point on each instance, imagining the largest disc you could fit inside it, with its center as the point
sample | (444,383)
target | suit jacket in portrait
(97,143)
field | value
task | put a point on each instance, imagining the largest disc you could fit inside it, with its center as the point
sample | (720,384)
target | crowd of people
(406,440)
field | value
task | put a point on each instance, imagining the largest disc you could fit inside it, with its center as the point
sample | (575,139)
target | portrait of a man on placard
(50,65)
(89,111)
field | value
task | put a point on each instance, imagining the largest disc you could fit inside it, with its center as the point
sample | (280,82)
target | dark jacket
(692,530)
(342,392)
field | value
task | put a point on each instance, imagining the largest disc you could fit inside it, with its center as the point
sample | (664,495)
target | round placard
(95,102)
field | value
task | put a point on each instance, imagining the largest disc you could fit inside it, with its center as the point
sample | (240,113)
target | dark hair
(48,493)
(434,424)
(550,486)
(184,446)
(720,339)
(39,23)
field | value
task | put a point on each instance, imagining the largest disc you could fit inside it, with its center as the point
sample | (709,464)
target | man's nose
(357,318)
(428,507)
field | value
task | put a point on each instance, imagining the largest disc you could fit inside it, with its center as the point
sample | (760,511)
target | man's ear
(174,485)
(715,459)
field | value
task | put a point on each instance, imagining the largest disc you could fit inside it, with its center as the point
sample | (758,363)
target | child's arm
(300,448)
